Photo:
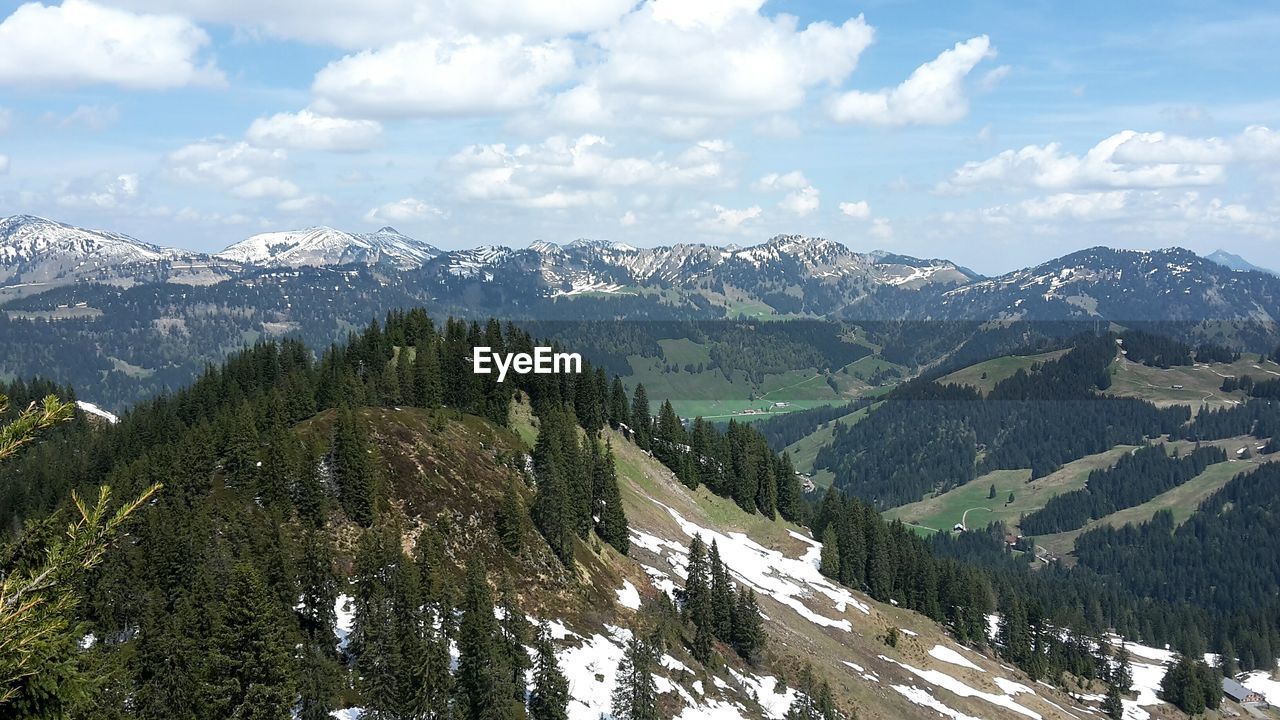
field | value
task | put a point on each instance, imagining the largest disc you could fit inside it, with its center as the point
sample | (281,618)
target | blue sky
(996,134)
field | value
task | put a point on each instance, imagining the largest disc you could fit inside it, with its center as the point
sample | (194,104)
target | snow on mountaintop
(26,239)
(321,246)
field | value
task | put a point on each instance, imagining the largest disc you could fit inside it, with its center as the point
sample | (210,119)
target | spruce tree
(551,506)
(748,626)
(829,562)
(1112,705)
(483,680)
(251,657)
(611,525)
(635,697)
(619,414)
(549,698)
(513,636)
(352,467)
(509,521)
(426,374)
(722,599)
(641,420)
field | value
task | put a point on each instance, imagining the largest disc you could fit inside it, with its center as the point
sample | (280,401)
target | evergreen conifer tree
(549,698)
(635,697)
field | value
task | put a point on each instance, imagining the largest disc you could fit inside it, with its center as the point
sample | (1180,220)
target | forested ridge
(1135,479)
(277,489)
(927,437)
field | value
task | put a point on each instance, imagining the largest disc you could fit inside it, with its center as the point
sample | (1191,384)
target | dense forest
(928,437)
(1133,480)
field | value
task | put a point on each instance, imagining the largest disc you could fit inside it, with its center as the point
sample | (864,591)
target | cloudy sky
(996,134)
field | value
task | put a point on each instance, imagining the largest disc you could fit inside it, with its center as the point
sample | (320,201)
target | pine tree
(611,525)
(549,698)
(991,494)
(635,697)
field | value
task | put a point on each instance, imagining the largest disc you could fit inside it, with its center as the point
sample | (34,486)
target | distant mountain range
(788,275)
(1237,263)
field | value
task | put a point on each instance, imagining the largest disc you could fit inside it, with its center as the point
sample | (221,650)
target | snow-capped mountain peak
(321,246)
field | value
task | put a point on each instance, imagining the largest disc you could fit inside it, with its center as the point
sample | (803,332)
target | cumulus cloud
(793,180)
(882,228)
(569,172)
(859,210)
(1144,162)
(432,76)
(934,94)
(404,210)
(687,62)
(80,43)
(4,164)
(801,202)
(241,169)
(1176,212)
(628,219)
(803,197)
(725,219)
(306,130)
(99,192)
(372,23)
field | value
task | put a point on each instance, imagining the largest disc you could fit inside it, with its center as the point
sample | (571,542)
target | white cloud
(92,117)
(79,43)
(4,164)
(266,187)
(859,210)
(673,62)
(1103,166)
(431,76)
(993,77)
(882,228)
(306,130)
(6,118)
(802,201)
(1160,212)
(401,211)
(245,171)
(100,192)
(803,197)
(729,219)
(793,180)
(628,219)
(568,172)
(932,95)
(371,23)
(302,203)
